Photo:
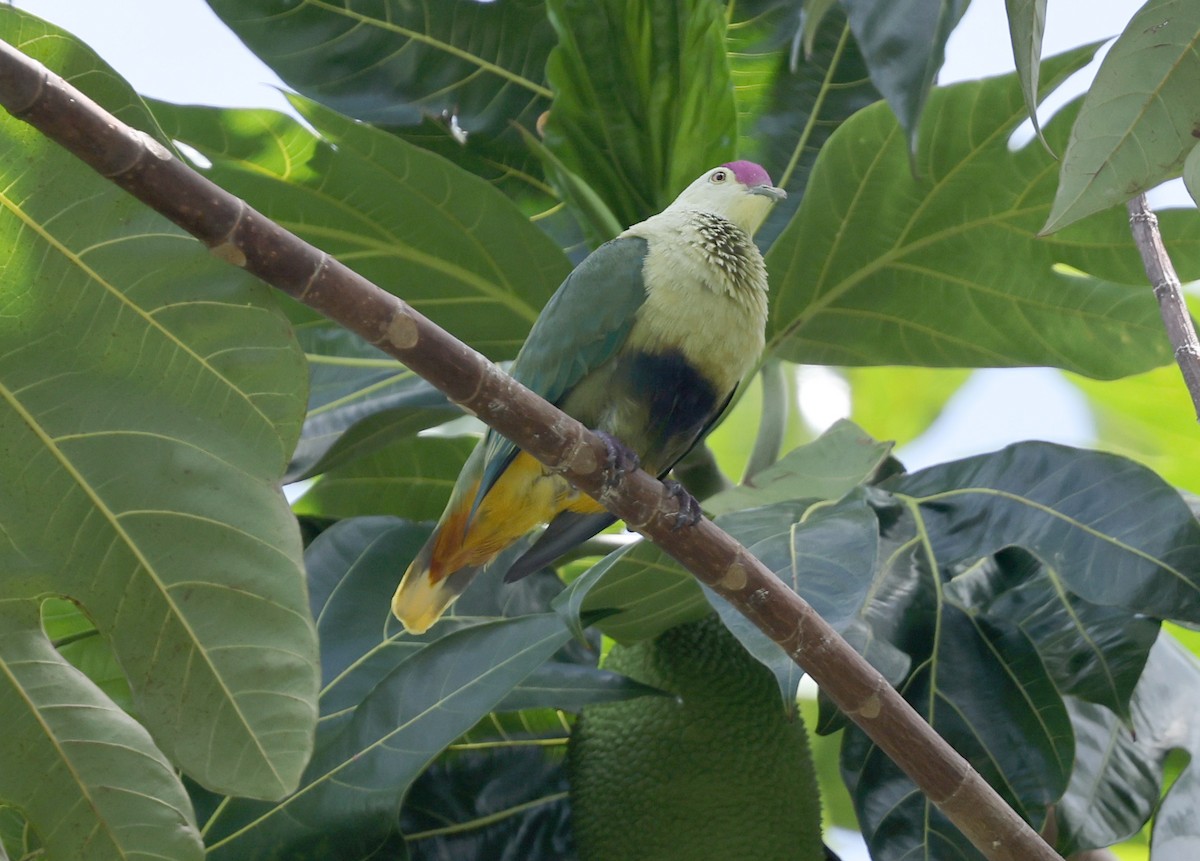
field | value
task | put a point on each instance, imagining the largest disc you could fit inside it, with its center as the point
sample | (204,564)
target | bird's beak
(768,191)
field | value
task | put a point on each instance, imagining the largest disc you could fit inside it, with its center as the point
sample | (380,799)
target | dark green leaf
(410,477)
(1106,529)
(904,44)
(392,63)
(638,591)
(1092,652)
(1119,768)
(358,401)
(1140,118)
(1026,24)
(502,804)
(351,791)
(88,777)
(149,398)
(451,245)
(946,269)
(1013,728)
(571,686)
(643,102)
(789,105)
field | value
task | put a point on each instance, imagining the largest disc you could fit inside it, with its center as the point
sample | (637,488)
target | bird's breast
(712,316)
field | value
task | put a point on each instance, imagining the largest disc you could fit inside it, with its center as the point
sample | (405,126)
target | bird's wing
(582,327)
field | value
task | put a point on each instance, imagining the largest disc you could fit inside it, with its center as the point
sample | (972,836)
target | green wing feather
(582,326)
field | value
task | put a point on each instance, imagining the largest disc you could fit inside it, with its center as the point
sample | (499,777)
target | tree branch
(1143,223)
(237,233)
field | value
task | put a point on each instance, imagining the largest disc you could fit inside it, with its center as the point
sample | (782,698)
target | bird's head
(740,191)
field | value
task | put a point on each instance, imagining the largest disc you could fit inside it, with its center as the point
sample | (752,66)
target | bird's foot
(619,460)
(689,512)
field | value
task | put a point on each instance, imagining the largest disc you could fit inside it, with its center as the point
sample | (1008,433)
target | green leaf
(904,44)
(77,640)
(88,777)
(1119,768)
(411,477)
(352,789)
(947,269)
(1107,529)
(1026,24)
(1191,173)
(453,247)
(1140,118)
(149,399)
(826,468)
(393,63)
(788,106)
(643,102)
(358,401)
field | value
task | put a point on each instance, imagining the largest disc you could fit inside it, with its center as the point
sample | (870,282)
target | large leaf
(85,773)
(1119,766)
(454,248)
(358,401)
(149,399)
(826,468)
(642,97)
(411,477)
(904,43)
(1107,530)
(350,794)
(1140,118)
(1026,25)
(455,77)
(393,63)
(789,104)
(392,702)
(945,268)
(983,689)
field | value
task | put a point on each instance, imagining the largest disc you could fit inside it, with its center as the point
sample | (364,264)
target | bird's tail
(426,591)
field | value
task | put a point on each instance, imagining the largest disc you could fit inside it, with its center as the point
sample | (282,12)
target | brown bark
(1143,223)
(245,238)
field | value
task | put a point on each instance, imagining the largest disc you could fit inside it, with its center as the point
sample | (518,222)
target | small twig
(244,237)
(1143,223)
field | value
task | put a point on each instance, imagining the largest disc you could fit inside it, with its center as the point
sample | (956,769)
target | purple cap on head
(749,173)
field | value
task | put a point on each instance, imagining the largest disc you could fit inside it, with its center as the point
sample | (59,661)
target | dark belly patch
(679,400)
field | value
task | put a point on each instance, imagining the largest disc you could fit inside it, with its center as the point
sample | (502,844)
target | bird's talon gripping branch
(619,459)
(689,512)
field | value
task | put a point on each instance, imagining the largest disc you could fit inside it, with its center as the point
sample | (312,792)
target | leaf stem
(776,399)
(1143,224)
(490,819)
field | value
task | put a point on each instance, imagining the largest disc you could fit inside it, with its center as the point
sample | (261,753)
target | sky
(177,50)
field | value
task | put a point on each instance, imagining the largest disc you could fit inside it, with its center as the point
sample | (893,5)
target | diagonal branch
(1143,223)
(237,233)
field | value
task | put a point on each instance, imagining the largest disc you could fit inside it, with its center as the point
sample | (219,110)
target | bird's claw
(619,459)
(689,512)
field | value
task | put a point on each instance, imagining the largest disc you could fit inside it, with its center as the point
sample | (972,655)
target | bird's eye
(720,176)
